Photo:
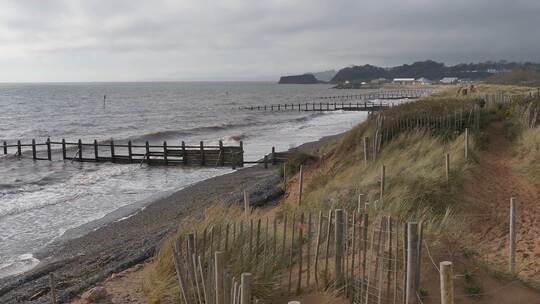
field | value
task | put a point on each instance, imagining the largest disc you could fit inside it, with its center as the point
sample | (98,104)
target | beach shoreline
(88,254)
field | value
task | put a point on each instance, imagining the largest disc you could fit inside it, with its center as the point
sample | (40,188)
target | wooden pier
(383,94)
(322,107)
(128,153)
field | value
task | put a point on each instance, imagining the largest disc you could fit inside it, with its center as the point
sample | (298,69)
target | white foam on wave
(21,263)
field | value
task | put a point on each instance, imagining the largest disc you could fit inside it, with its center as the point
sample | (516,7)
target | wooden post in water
(130,152)
(447,282)
(221,156)
(339,245)
(411,287)
(165,158)
(49,156)
(202,153)
(113,156)
(63,149)
(219,259)
(96,150)
(147,146)
(300,185)
(184,155)
(273,156)
(80,148)
(5,147)
(19,149)
(33,149)
(512,237)
(52,287)
(245,289)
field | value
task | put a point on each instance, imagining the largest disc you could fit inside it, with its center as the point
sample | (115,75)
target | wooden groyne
(322,107)
(163,154)
(129,153)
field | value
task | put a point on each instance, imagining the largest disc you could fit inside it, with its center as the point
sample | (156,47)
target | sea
(41,200)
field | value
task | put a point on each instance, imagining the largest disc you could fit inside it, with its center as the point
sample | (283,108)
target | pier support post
(130,152)
(221,157)
(113,156)
(273,156)
(5,147)
(49,156)
(147,146)
(19,149)
(80,147)
(63,149)
(165,158)
(202,153)
(184,155)
(33,149)
(96,150)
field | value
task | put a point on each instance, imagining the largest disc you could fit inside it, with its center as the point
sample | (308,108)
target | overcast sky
(131,40)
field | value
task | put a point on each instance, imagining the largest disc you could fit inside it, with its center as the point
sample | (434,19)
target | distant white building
(423,80)
(449,80)
(403,81)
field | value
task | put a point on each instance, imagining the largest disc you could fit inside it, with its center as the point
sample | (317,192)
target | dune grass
(527,154)
(416,188)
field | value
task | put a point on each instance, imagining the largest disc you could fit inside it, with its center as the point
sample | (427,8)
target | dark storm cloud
(170,39)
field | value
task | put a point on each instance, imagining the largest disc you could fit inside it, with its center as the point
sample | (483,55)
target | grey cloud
(189,39)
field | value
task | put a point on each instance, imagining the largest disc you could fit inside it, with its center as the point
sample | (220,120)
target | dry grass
(416,188)
(527,150)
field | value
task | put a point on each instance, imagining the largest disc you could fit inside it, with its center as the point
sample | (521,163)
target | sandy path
(494,181)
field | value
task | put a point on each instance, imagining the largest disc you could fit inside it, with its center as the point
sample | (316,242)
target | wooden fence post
(411,296)
(245,288)
(447,282)
(466,143)
(383,176)
(447,165)
(265,162)
(365,150)
(52,286)
(247,208)
(361,205)
(300,185)
(273,156)
(339,244)
(512,238)
(219,272)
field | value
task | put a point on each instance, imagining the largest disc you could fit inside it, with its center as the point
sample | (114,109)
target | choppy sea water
(40,200)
